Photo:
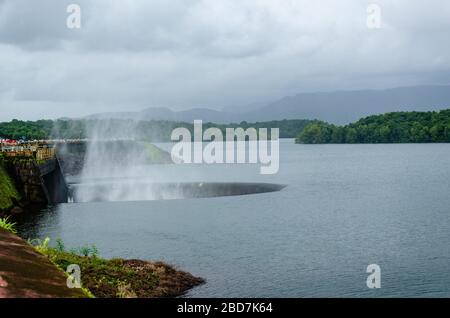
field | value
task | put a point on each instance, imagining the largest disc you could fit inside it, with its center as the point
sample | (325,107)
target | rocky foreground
(38,272)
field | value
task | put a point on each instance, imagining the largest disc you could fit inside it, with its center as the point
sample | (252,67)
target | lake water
(344,207)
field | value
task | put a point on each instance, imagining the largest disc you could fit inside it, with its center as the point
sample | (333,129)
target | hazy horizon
(236,111)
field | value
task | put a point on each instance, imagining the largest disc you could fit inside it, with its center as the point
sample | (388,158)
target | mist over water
(118,166)
(112,164)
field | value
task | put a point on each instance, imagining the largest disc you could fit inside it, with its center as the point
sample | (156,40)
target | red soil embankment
(26,273)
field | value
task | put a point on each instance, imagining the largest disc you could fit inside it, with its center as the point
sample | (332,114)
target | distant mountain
(239,109)
(162,113)
(346,106)
(339,107)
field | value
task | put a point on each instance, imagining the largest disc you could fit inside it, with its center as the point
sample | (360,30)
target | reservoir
(339,209)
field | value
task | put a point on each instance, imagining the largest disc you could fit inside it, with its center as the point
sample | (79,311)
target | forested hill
(155,130)
(398,127)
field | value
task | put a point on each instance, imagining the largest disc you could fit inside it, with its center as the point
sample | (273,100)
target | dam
(28,181)
(57,174)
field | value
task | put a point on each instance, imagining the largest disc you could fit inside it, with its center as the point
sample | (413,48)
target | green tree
(399,127)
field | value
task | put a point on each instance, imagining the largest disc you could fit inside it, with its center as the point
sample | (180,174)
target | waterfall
(113,161)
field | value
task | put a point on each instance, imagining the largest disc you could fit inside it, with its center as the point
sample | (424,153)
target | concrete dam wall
(36,183)
(54,181)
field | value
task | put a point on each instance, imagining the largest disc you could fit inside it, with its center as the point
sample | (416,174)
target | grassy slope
(8,190)
(123,278)
(26,273)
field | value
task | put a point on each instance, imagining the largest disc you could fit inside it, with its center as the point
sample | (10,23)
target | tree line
(396,127)
(155,130)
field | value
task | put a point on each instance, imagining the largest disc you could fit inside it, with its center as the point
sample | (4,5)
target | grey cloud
(200,53)
(33,25)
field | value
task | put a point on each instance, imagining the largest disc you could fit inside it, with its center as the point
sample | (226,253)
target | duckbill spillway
(141,191)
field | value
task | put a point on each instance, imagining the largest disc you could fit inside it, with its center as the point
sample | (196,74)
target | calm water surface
(345,207)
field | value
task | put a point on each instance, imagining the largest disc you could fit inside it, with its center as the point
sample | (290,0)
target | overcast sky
(129,55)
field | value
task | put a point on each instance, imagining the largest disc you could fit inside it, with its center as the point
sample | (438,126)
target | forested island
(397,127)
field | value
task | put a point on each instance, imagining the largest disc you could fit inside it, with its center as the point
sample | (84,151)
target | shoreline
(40,272)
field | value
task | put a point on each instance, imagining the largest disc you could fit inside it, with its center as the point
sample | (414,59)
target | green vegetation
(154,130)
(6,225)
(44,248)
(17,129)
(8,191)
(161,130)
(156,155)
(118,277)
(288,127)
(398,127)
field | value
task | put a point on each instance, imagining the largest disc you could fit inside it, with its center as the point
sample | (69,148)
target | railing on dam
(28,151)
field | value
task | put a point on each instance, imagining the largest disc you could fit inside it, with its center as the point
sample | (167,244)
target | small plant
(41,245)
(73,251)
(124,290)
(94,251)
(7,225)
(88,251)
(84,250)
(60,245)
